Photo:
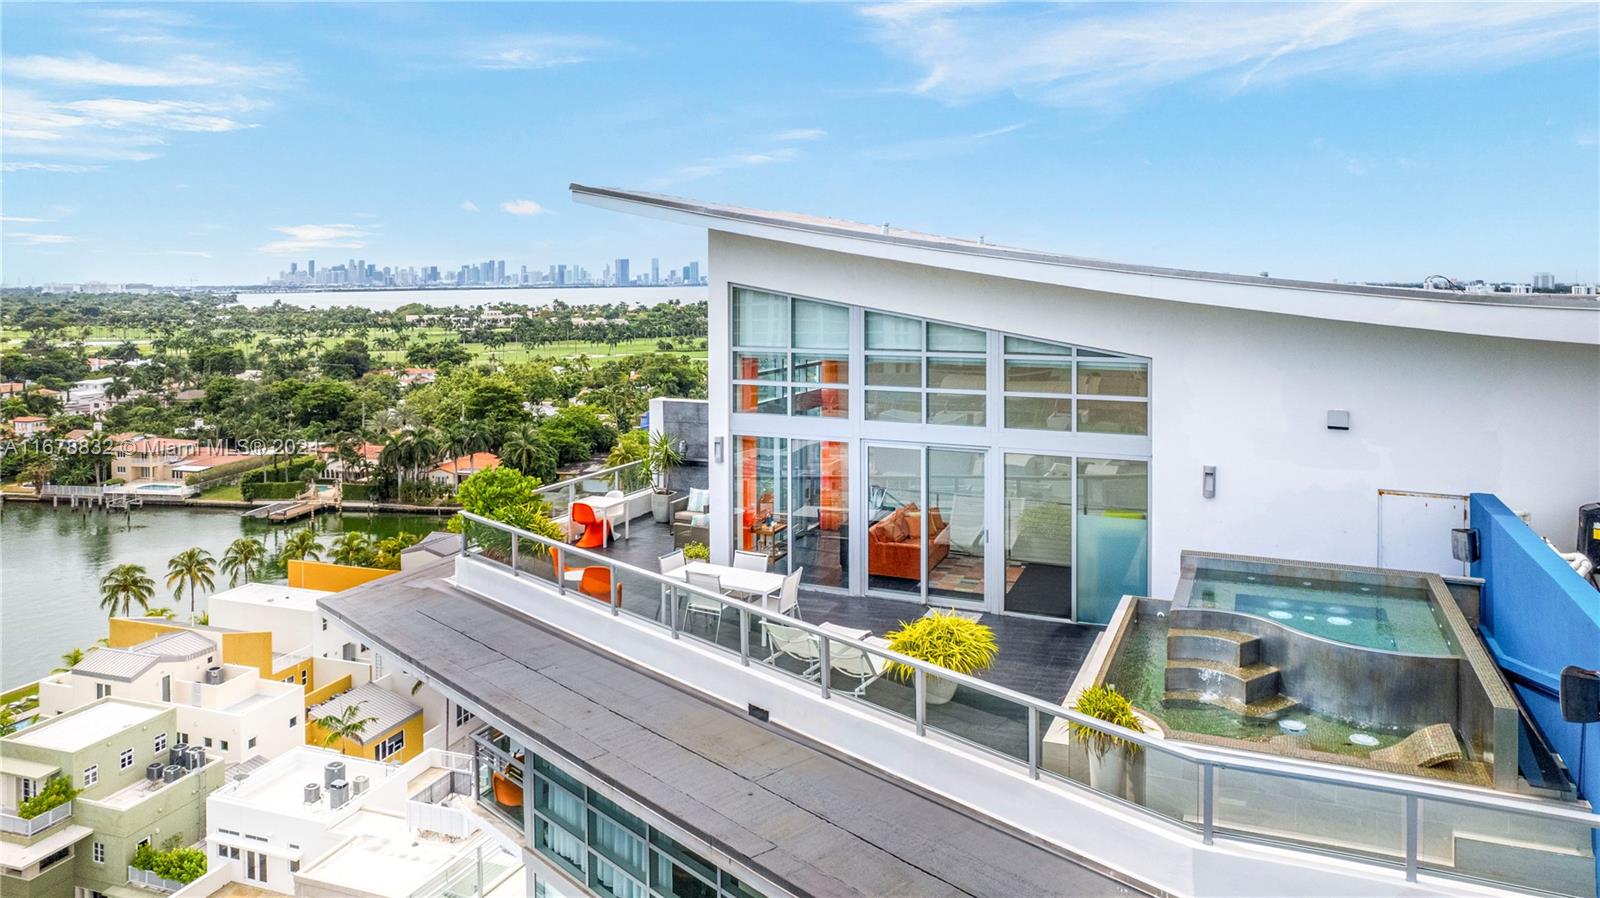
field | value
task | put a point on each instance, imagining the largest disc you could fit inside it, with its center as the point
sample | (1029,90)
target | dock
(304,505)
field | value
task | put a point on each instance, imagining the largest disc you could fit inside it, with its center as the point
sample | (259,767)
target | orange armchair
(506,792)
(595,529)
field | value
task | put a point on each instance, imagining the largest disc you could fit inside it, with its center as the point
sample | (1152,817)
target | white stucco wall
(1248,392)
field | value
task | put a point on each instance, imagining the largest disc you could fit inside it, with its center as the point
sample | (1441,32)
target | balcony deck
(1037,657)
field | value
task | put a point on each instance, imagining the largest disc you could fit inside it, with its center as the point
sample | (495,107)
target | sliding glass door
(894,535)
(927,534)
(819,518)
(958,534)
(1038,543)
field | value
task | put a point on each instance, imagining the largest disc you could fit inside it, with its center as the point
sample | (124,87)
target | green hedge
(223,472)
(57,792)
(355,492)
(273,490)
(294,469)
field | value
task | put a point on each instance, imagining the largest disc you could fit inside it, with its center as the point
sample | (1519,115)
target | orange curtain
(747,490)
(835,481)
(749,393)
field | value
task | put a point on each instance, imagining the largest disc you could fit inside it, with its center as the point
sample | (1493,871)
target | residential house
(450,473)
(134,786)
(29,425)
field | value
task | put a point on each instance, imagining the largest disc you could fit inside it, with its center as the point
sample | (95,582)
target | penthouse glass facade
(979,468)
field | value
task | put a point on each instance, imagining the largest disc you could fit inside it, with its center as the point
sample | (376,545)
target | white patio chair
(700,605)
(750,561)
(789,595)
(850,661)
(672,561)
(795,643)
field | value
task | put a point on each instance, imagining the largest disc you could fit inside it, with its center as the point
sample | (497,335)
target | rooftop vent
(338,793)
(333,772)
(359,785)
(313,793)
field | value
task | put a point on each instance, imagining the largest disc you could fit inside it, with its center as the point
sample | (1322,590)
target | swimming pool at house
(1388,617)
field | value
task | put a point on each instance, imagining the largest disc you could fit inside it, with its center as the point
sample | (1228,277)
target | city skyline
(358,272)
(212,143)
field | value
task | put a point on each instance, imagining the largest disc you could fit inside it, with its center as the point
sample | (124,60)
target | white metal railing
(148,880)
(28,826)
(64,492)
(1227,779)
(629,478)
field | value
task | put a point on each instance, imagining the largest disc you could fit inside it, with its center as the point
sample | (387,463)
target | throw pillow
(699,500)
(702,519)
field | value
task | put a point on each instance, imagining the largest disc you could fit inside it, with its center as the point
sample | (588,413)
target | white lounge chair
(795,643)
(849,661)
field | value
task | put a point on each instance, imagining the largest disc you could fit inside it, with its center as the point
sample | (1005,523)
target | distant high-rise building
(500,271)
(1544,280)
(622,273)
(691,273)
(311,268)
(655,271)
(561,275)
(294,267)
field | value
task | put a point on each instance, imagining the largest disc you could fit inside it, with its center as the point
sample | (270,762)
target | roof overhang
(1540,317)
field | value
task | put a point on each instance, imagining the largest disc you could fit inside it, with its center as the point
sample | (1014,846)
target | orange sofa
(893,544)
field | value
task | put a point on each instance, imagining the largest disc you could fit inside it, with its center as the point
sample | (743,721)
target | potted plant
(1108,753)
(660,458)
(696,552)
(947,639)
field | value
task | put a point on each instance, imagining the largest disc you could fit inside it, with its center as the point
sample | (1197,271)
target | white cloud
(796,134)
(533,51)
(1076,55)
(189,252)
(59,167)
(716,165)
(522,207)
(469,206)
(171,115)
(24,218)
(34,239)
(299,238)
(182,70)
(935,147)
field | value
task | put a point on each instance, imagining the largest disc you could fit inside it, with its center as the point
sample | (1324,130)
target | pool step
(1202,644)
(1246,684)
(1269,708)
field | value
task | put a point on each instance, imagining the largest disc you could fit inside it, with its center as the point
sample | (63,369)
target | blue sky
(217,144)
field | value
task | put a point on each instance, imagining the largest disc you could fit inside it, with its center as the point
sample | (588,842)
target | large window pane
(760,366)
(1105,416)
(949,338)
(617,844)
(1038,376)
(888,405)
(894,537)
(893,332)
(957,409)
(760,501)
(1113,534)
(820,514)
(821,369)
(760,318)
(1039,534)
(674,881)
(820,325)
(1029,413)
(956,374)
(1113,377)
(1023,346)
(894,371)
(752,399)
(955,523)
(821,403)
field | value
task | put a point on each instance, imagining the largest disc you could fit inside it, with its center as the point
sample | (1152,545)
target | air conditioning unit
(313,793)
(214,675)
(175,753)
(152,771)
(172,773)
(338,794)
(196,757)
(333,771)
(359,785)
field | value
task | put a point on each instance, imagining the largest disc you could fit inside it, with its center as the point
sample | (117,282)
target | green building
(81,848)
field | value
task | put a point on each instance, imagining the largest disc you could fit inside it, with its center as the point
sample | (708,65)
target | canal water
(52,559)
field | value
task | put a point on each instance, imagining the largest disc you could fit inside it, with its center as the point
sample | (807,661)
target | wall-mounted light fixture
(1208,481)
(1338,419)
(716,452)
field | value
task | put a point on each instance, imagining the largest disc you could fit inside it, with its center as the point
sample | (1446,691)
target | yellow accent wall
(252,648)
(318,696)
(125,632)
(331,577)
(316,735)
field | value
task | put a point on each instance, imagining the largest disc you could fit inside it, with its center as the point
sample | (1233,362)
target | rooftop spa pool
(1374,614)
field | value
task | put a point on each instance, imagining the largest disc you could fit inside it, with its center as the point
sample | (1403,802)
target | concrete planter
(661,506)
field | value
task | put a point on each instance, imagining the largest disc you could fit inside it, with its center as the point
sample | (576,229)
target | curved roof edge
(1547,317)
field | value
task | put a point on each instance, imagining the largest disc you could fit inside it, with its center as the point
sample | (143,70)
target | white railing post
(1208,821)
(744,637)
(1411,838)
(616,590)
(516,569)
(827,666)
(1033,742)
(919,682)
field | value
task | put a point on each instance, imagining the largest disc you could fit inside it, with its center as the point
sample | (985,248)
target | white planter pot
(1107,770)
(939,690)
(661,506)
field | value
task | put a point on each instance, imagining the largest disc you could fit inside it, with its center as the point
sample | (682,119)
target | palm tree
(344,726)
(519,450)
(300,546)
(243,558)
(354,548)
(162,612)
(124,585)
(191,568)
(72,658)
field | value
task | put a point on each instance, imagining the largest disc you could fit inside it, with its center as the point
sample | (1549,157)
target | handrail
(594,475)
(28,826)
(1206,756)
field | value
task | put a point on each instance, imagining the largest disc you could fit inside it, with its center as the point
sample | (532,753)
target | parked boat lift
(308,503)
